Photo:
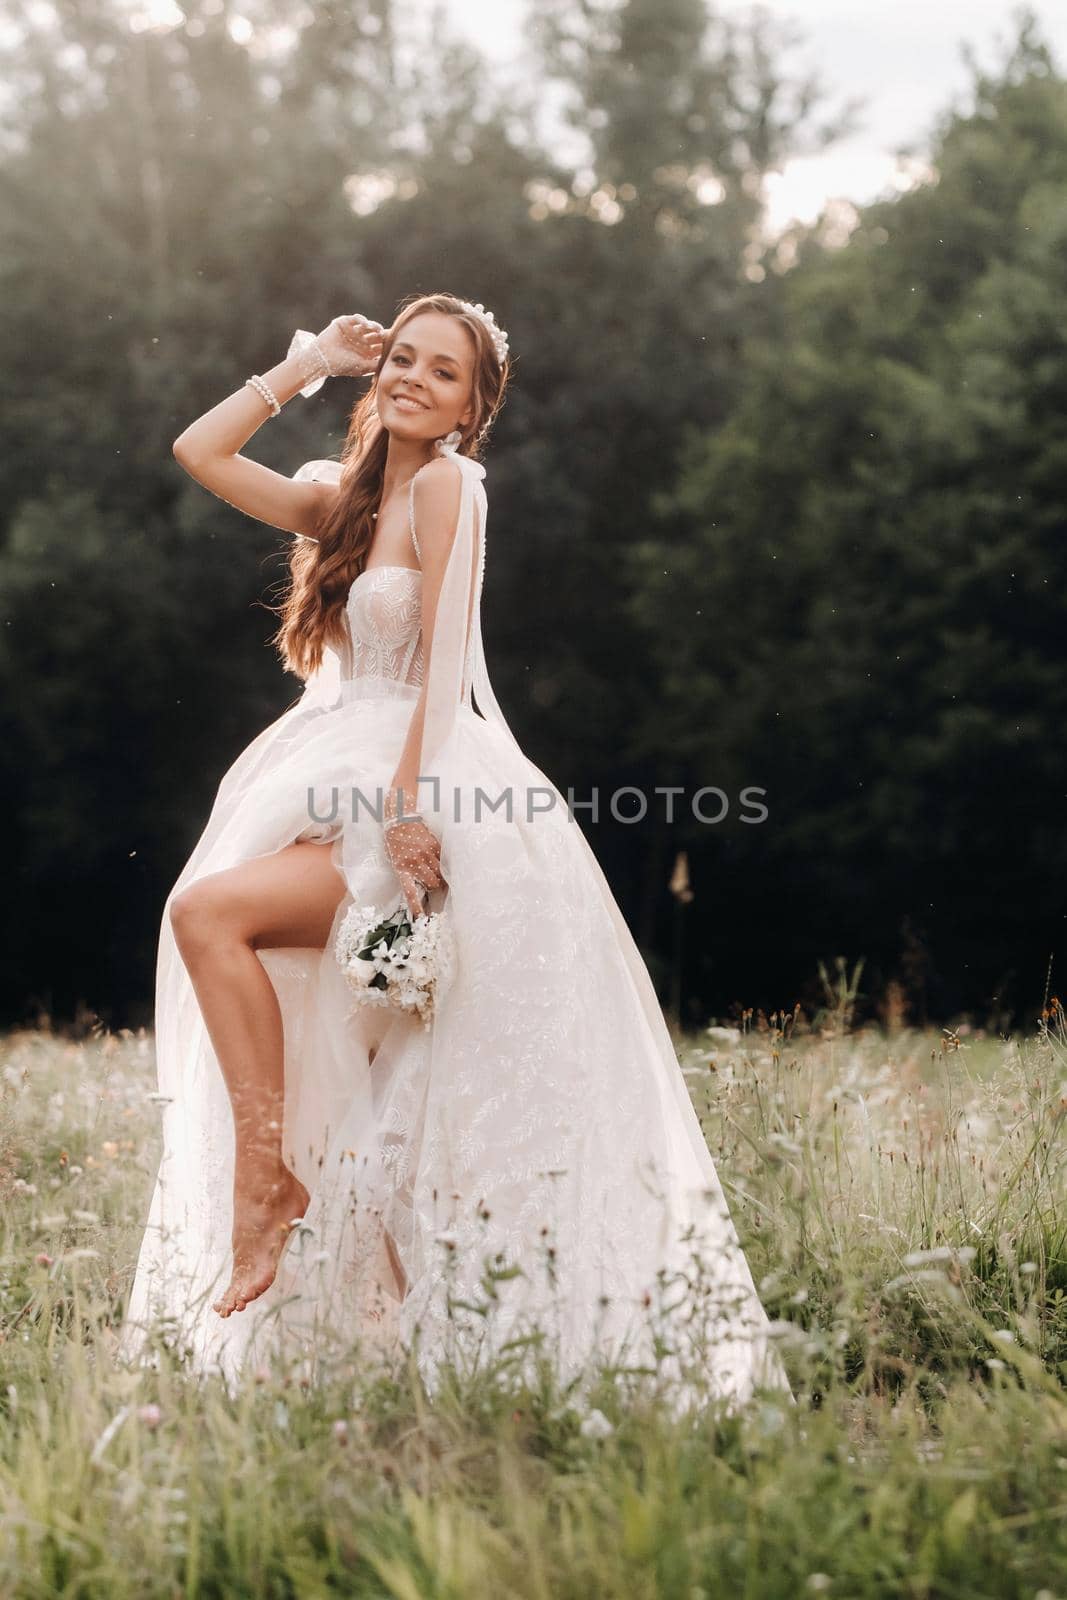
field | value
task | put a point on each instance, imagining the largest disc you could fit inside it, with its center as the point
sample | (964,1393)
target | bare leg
(281,900)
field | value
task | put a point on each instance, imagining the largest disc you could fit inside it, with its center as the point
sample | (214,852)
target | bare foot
(262,1222)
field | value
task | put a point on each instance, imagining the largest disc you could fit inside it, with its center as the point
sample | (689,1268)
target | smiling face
(425,383)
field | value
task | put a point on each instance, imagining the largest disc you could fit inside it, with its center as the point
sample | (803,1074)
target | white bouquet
(388,960)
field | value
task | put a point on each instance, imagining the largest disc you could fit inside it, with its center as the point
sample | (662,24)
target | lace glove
(350,347)
(415,855)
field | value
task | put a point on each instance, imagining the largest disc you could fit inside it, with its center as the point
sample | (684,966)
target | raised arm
(209,448)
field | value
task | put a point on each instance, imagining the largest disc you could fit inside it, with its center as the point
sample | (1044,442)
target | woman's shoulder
(442,469)
(436,489)
(447,468)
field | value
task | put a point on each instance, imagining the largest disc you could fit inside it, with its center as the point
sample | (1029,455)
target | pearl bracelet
(263,388)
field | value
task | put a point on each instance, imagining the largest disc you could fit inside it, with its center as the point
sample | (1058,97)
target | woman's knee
(284,898)
(199,916)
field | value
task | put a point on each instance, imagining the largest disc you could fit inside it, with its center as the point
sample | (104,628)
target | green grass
(900,1197)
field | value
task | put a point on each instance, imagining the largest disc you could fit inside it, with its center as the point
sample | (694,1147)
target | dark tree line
(783,515)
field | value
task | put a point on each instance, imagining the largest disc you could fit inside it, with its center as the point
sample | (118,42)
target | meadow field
(900,1196)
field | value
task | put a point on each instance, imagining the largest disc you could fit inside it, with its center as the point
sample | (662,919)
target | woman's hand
(415,854)
(352,345)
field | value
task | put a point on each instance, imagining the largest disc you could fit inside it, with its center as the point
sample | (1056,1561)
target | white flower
(361,973)
(596,1426)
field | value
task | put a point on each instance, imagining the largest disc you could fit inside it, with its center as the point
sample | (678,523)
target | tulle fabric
(528,1176)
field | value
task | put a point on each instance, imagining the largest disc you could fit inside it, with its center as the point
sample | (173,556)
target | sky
(901,56)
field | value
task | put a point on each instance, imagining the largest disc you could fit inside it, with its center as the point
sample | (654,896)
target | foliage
(866,566)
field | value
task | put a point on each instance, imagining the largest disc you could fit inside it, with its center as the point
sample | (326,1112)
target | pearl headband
(497,334)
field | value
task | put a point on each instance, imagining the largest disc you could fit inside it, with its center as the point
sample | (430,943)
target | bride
(527,1172)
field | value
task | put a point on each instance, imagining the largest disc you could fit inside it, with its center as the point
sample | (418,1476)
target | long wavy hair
(323,568)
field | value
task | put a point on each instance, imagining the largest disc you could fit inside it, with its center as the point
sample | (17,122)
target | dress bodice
(384,616)
(384,612)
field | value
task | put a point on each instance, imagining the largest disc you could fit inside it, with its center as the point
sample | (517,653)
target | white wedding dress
(533,1158)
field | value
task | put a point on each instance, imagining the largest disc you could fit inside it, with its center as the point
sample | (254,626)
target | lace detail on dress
(385,623)
(385,618)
